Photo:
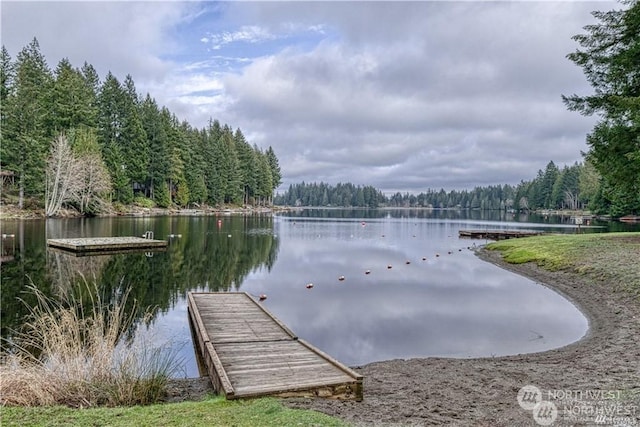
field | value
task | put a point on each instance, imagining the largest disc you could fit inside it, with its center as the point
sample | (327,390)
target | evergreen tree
(133,140)
(610,60)
(212,177)
(246,165)
(265,179)
(192,157)
(26,135)
(157,124)
(111,123)
(92,84)
(73,100)
(7,75)
(276,175)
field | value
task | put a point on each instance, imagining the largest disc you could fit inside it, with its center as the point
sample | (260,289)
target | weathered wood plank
(216,372)
(106,244)
(249,352)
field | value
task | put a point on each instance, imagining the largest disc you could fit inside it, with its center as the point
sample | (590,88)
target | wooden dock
(249,353)
(102,245)
(497,234)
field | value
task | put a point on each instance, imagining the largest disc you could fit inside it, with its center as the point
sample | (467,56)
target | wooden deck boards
(249,352)
(106,244)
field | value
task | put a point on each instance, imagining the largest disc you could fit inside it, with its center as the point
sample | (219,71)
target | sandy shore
(599,373)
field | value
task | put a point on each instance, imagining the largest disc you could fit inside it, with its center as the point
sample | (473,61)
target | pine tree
(26,135)
(7,75)
(610,60)
(276,175)
(73,100)
(246,164)
(133,139)
(111,123)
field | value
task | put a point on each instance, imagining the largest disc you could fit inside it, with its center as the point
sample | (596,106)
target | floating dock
(497,234)
(105,245)
(248,352)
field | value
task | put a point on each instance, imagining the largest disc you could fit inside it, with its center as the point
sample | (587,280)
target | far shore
(10,212)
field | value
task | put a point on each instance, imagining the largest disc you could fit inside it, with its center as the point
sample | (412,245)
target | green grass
(212,412)
(610,257)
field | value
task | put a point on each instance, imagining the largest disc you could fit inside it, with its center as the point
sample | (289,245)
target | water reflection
(204,258)
(447,305)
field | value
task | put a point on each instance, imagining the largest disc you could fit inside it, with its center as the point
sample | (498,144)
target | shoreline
(9,212)
(483,391)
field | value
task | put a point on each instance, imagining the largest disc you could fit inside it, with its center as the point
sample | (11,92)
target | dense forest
(572,187)
(69,139)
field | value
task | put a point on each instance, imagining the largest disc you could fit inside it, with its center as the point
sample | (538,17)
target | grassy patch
(611,257)
(212,412)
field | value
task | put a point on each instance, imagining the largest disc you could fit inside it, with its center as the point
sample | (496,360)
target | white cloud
(247,34)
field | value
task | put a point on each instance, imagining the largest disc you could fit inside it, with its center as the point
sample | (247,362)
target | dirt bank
(483,392)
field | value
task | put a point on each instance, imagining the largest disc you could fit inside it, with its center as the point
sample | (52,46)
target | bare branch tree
(93,182)
(59,175)
(571,199)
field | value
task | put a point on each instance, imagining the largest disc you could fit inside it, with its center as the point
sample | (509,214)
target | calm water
(448,305)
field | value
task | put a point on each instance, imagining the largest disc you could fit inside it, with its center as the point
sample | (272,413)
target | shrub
(143,202)
(66,354)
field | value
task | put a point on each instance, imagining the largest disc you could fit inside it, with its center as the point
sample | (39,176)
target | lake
(426,293)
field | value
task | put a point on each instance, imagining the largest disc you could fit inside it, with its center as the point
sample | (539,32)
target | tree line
(578,186)
(143,148)
(322,194)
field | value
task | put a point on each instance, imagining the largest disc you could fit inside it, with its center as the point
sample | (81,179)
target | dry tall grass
(69,355)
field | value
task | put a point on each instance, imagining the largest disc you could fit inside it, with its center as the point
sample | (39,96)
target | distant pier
(100,245)
(250,353)
(497,234)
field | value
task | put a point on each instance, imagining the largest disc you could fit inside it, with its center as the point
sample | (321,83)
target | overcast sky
(404,96)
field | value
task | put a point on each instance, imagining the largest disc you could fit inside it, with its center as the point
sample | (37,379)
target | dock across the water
(497,234)
(100,245)
(248,352)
